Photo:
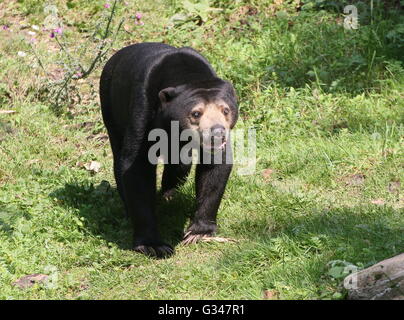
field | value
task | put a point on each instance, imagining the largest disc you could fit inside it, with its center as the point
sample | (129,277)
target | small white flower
(35,27)
(31,33)
(21,54)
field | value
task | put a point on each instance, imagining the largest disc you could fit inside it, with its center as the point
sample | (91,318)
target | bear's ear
(167,94)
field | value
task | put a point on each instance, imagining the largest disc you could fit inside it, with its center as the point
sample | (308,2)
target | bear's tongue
(215,143)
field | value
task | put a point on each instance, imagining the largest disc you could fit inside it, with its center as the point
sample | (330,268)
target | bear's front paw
(159,251)
(199,231)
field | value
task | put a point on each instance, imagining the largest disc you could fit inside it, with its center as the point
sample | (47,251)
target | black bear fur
(146,86)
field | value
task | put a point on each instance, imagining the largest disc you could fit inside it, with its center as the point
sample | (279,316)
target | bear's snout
(215,137)
(218,131)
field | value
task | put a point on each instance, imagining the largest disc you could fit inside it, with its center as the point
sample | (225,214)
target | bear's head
(208,109)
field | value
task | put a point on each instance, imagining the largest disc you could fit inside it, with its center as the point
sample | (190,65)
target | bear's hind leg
(139,188)
(116,146)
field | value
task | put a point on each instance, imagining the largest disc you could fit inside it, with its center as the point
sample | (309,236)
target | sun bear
(149,86)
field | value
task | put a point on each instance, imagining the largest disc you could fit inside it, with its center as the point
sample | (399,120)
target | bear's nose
(218,131)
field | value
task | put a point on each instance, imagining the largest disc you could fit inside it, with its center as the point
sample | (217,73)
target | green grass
(327,104)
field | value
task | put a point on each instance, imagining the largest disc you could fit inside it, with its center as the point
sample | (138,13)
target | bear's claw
(191,238)
(162,251)
(169,194)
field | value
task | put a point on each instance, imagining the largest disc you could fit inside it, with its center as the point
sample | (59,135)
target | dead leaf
(267,173)
(84,286)
(240,14)
(131,267)
(355,179)
(127,28)
(394,186)
(98,137)
(86,125)
(30,280)
(218,239)
(56,73)
(271,295)
(89,125)
(388,152)
(79,164)
(378,202)
(32,161)
(93,166)
(7,111)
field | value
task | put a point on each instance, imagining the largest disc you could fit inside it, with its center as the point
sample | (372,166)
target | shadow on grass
(103,212)
(6,221)
(295,258)
(365,234)
(9,216)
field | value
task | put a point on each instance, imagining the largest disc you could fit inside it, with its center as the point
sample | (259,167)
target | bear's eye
(196,114)
(226,111)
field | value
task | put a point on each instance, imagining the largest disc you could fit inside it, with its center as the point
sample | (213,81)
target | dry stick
(64,86)
(71,60)
(100,54)
(85,73)
(110,20)
(93,35)
(37,57)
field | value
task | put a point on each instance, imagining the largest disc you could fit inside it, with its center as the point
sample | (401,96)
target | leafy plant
(75,66)
(328,110)
(192,10)
(339,269)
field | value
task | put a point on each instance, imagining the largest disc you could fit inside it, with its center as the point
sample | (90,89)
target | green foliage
(192,11)
(340,269)
(63,92)
(28,7)
(326,197)
(335,59)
